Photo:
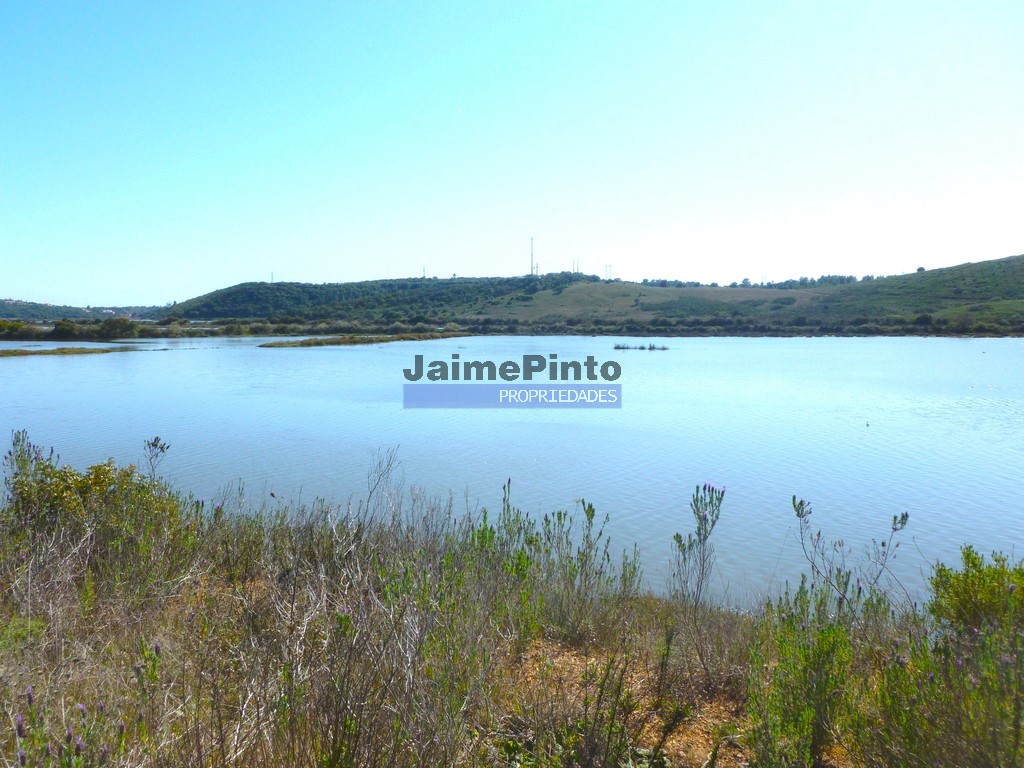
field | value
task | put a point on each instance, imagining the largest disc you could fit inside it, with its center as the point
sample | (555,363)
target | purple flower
(79,746)
(81,709)
(102,707)
(156,647)
(19,727)
(120,730)
(69,735)
(21,757)
(29,695)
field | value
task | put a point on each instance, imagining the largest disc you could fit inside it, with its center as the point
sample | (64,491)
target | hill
(986,298)
(983,298)
(427,300)
(12,309)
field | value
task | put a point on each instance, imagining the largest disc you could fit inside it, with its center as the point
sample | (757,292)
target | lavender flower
(156,647)
(29,695)
(81,709)
(79,745)
(22,758)
(69,735)
(19,727)
(102,707)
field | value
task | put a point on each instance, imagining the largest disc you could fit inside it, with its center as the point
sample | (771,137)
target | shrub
(125,532)
(980,594)
(715,636)
(579,585)
(799,698)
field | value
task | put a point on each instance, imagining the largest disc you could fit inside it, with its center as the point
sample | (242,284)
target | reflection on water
(862,428)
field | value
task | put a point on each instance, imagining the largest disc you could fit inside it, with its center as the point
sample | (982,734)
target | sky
(155,151)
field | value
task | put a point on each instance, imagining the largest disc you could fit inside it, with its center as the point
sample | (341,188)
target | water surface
(863,428)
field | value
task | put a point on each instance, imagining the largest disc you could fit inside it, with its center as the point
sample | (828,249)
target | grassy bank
(354,339)
(63,351)
(139,626)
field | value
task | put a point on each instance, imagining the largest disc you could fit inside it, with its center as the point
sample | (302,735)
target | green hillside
(427,300)
(12,309)
(984,298)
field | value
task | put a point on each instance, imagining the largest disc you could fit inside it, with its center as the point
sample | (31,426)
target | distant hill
(427,300)
(12,309)
(982,298)
(986,298)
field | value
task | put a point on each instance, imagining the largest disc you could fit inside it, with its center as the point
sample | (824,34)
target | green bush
(951,691)
(579,584)
(979,595)
(127,532)
(947,700)
(799,695)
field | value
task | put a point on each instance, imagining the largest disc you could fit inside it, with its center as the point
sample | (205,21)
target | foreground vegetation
(139,626)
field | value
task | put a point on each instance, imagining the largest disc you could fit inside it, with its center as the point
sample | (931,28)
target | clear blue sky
(154,151)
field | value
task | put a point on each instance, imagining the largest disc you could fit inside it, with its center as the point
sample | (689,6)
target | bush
(580,586)
(979,595)
(129,533)
(800,663)
(954,694)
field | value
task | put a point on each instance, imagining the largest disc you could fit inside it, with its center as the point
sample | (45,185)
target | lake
(863,428)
